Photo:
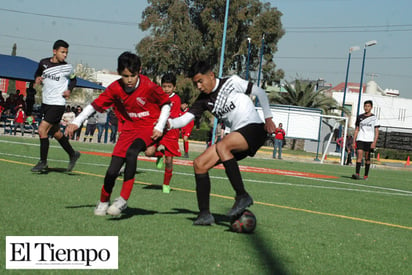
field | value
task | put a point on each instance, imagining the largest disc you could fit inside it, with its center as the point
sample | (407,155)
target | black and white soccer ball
(245,223)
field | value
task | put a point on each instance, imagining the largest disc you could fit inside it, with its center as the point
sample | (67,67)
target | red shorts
(187,130)
(127,137)
(171,142)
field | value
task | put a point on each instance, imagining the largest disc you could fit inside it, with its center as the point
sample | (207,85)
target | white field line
(392,191)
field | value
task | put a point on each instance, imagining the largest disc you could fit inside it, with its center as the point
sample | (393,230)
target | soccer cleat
(365,177)
(73,160)
(117,207)
(159,163)
(41,166)
(101,208)
(204,219)
(166,189)
(355,176)
(241,203)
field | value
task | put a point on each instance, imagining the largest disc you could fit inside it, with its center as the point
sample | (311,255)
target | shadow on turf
(130,212)
(55,170)
(268,257)
(126,214)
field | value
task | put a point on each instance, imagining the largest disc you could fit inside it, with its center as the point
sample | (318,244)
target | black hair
(60,43)
(130,61)
(368,102)
(201,67)
(169,78)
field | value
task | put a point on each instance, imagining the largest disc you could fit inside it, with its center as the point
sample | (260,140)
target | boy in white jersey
(58,81)
(227,99)
(366,135)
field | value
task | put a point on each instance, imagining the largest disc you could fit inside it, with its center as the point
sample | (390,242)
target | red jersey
(139,109)
(187,130)
(279,133)
(174,112)
(20,117)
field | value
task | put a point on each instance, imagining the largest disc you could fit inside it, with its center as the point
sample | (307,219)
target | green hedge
(392,154)
(199,134)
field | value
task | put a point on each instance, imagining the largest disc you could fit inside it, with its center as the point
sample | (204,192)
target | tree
(303,94)
(11,89)
(82,94)
(182,31)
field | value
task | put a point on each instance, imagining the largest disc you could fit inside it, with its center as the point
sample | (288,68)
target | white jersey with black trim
(229,102)
(56,78)
(367,125)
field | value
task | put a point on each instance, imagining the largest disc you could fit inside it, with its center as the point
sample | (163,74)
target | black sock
(358,165)
(203,192)
(44,149)
(233,173)
(367,165)
(64,142)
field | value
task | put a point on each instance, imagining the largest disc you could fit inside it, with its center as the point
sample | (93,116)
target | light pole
(248,57)
(367,44)
(351,49)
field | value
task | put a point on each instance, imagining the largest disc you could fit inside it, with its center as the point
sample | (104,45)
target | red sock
(127,189)
(186,146)
(104,196)
(168,176)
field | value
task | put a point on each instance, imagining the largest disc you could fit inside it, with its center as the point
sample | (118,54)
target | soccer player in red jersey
(170,139)
(145,107)
(186,130)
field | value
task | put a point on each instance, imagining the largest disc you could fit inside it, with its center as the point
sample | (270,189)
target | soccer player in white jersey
(58,81)
(366,135)
(229,100)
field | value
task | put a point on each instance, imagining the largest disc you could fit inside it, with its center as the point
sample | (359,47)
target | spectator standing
(279,137)
(30,98)
(113,124)
(19,119)
(78,132)
(67,117)
(349,149)
(101,120)
(58,81)
(90,127)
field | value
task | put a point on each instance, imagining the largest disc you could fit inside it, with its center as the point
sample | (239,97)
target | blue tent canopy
(22,68)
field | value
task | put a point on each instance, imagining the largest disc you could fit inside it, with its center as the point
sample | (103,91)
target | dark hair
(60,43)
(368,102)
(201,67)
(130,61)
(169,78)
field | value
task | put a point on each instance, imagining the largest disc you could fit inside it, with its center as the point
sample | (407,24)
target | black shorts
(363,145)
(52,113)
(255,135)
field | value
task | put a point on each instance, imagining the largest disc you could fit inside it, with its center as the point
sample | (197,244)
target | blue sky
(318,35)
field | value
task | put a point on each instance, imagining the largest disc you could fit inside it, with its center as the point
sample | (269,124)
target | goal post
(306,123)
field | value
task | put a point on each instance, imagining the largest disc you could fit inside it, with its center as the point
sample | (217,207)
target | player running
(58,80)
(140,104)
(170,140)
(228,99)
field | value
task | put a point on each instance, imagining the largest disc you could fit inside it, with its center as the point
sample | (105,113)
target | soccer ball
(245,223)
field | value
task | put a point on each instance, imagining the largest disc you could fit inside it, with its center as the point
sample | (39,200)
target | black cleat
(355,177)
(73,160)
(241,203)
(41,167)
(204,219)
